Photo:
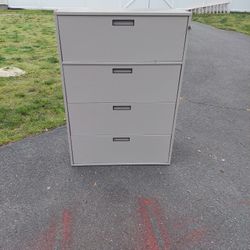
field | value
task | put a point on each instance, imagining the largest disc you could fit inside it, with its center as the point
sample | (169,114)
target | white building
(235,5)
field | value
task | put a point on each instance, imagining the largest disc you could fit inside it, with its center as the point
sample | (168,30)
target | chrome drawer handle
(121,139)
(122,70)
(128,107)
(123,22)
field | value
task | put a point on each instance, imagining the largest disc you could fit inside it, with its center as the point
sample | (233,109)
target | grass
(239,22)
(31,103)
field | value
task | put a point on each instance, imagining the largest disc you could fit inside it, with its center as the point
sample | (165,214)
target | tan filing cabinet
(121,74)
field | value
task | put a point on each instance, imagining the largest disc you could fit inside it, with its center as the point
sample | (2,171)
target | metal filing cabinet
(121,74)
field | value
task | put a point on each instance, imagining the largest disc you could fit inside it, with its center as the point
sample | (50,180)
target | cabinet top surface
(121,12)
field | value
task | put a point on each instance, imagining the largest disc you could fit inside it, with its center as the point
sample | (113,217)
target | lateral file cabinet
(121,74)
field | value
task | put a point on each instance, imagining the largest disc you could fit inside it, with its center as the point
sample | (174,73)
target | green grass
(239,22)
(31,103)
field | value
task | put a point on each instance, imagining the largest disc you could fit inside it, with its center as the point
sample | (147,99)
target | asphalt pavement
(200,201)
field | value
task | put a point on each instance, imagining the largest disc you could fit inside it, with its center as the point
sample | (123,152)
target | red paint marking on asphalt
(193,237)
(147,202)
(150,241)
(149,209)
(67,230)
(45,240)
(245,202)
(181,223)
(50,237)
(161,221)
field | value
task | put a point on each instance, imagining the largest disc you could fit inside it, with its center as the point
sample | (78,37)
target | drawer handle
(121,139)
(122,107)
(122,70)
(123,22)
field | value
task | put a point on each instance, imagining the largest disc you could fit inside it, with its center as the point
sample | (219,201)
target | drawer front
(105,39)
(121,83)
(132,118)
(119,149)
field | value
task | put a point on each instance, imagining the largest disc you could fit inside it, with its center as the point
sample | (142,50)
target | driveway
(201,201)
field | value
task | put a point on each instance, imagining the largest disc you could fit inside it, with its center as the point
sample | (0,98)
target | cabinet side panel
(64,89)
(179,89)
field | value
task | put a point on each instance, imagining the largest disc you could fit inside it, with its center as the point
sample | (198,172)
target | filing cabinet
(121,73)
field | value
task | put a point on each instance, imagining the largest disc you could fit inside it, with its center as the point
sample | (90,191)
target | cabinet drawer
(120,149)
(121,83)
(122,39)
(109,118)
